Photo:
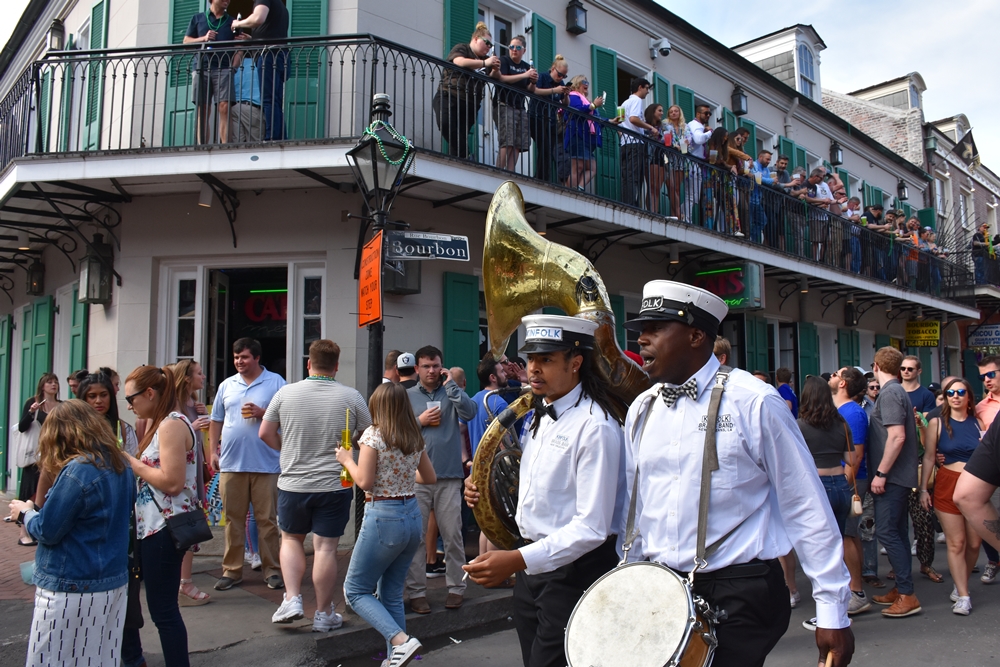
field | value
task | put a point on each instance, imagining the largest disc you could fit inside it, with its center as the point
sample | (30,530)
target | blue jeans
(390,536)
(758,221)
(250,543)
(271,67)
(892,531)
(161,572)
(839,493)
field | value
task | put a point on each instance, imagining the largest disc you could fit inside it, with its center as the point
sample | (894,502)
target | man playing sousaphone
(571,491)
(765,496)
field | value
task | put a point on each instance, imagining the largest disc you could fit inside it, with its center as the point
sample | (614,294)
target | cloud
(873,41)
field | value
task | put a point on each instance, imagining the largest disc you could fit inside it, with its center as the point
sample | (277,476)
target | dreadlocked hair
(592,387)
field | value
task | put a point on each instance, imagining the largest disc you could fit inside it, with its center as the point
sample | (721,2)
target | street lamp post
(379,162)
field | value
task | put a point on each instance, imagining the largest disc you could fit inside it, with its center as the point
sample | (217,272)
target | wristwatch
(879,473)
(20,518)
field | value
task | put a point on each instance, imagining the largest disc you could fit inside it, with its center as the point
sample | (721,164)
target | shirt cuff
(534,557)
(28,516)
(831,616)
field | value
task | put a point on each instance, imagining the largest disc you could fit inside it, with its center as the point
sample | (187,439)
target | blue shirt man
(492,376)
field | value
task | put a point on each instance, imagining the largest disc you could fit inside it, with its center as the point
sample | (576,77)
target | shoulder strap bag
(24,446)
(187,528)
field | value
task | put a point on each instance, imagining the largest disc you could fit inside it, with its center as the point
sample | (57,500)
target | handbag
(857,507)
(24,446)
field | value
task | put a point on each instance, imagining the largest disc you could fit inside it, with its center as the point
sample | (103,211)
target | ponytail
(161,381)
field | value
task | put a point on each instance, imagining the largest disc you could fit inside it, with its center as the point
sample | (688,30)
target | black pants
(455,117)
(757,612)
(634,163)
(543,604)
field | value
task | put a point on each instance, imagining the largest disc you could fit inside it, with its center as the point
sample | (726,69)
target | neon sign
(740,285)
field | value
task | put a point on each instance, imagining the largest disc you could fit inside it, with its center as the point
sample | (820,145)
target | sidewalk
(236,628)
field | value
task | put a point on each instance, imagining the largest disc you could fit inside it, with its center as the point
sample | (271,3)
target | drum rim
(691,615)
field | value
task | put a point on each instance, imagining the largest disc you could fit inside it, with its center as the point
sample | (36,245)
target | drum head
(638,614)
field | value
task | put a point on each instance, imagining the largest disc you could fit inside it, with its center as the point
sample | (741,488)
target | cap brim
(636,324)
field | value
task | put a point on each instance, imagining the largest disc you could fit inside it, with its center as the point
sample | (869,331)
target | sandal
(30,543)
(891,575)
(874,581)
(185,599)
(932,574)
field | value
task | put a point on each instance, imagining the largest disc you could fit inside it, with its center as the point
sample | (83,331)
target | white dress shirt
(572,488)
(700,136)
(766,484)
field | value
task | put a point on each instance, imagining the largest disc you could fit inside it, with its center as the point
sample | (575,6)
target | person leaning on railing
(980,249)
(544,125)
(212,73)
(456,102)
(582,136)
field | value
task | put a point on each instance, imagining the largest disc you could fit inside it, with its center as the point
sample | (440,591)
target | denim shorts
(839,493)
(324,514)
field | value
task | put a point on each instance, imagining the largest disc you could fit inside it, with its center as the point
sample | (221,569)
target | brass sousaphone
(522,273)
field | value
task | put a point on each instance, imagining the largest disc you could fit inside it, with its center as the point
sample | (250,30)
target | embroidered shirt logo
(722,423)
(560,441)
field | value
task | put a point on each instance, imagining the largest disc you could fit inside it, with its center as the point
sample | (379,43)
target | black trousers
(757,613)
(635,163)
(543,604)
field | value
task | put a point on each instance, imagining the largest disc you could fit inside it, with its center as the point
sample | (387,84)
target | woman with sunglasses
(456,102)
(583,136)
(956,435)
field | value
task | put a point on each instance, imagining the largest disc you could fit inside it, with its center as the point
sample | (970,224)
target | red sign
(370,283)
(260,307)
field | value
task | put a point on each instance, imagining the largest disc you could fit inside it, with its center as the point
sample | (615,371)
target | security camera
(659,47)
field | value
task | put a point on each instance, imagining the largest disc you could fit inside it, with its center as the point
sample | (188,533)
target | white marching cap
(674,301)
(546,333)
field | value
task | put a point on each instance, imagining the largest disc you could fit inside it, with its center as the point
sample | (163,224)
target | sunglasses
(128,399)
(562,75)
(487,42)
(955,392)
(584,83)
(908,369)
(988,374)
(516,47)
(873,388)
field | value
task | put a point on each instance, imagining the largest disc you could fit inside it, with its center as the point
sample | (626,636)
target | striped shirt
(312,416)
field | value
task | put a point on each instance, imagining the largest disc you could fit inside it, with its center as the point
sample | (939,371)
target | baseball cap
(406,360)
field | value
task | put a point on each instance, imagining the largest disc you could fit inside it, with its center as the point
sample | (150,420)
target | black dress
(29,475)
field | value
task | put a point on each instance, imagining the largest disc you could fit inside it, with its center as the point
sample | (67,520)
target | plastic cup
(758,177)
(864,221)
(621,113)
(668,139)
(432,405)
(245,410)
(774,176)
(713,156)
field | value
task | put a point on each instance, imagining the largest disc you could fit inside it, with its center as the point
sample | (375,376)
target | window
(312,314)
(914,97)
(501,28)
(807,75)
(964,209)
(991,217)
(180,295)
(942,192)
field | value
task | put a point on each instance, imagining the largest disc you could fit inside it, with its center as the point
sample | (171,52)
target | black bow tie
(671,394)
(548,410)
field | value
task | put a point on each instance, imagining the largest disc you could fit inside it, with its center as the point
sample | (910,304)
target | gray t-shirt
(892,408)
(312,416)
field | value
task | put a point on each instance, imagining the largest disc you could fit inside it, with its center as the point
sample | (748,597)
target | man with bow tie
(765,496)
(571,491)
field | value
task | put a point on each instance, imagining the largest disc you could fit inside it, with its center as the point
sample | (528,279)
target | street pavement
(235,629)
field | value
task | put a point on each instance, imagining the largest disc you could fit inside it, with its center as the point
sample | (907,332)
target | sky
(953,50)
(868,41)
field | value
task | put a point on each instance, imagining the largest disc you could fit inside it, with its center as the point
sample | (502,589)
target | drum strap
(710,463)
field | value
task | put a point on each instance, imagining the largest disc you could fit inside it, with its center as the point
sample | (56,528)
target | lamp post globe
(381,158)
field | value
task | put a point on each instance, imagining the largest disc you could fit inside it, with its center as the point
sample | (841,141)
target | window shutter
(926,363)
(45,109)
(618,308)
(543,42)
(728,120)
(305,99)
(179,112)
(808,352)
(757,345)
(845,348)
(604,78)
(787,147)
(94,112)
(882,340)
(5,321)
(460,18)
(461,323)
(36,345)
(78,330)
(801,159)
(750,148)
(877,196)
(684,98)
(970,364)
(846,179)
(661,93)
(28,377)
(927,218)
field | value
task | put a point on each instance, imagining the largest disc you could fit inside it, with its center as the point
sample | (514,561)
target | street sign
(422,245)
(370,283)
(924,333)
(985,336)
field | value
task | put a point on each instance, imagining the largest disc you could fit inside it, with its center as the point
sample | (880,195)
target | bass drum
(644,611)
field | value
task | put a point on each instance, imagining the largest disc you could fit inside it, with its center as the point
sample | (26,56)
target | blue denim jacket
(83,529)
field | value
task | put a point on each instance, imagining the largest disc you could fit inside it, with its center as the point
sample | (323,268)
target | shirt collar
(258,379)
(990,398)
(564,403)
(704,377)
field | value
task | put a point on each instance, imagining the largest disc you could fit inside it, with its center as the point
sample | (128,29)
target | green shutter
(970,365)
(808,352)
(28,379)
(604,78)
(866,199)
(846,350)
(461,323)
(800,158)
(305,89)
(882,340)
(661,93)
(36,345)
(907,210)
(757,345)
(460,18)
(179,112)
(927,217)
(846,180)
(684,98)
(94,111)
(856,342)
(5,321)
(45,110)
(66,103)
(877,196)
(926,365)
(729,120)
(543,42)
(78,331)
(787,147)
(750,148)
(618,308)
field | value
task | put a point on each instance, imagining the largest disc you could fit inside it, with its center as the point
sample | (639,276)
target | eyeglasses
(516,47)
(908,369)
(955,392)
(128,399)
(988,374)
(873,388)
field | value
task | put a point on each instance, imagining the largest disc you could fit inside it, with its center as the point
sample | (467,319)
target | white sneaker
(913,548)
(859,603)
(324,622)
(404,653)
(940,538)
(247,557)
(794,599)
(255,563)
(290,610)
(810,625)
(963,607)
(883,551)
(989,573)
(954,594)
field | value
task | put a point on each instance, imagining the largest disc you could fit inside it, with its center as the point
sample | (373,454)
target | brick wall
(901,131)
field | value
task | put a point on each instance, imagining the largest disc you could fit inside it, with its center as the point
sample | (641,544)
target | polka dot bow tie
(671,394)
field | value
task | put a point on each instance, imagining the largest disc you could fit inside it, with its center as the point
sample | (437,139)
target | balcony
(139,102)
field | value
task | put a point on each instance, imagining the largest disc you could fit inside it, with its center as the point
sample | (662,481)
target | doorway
(249,302)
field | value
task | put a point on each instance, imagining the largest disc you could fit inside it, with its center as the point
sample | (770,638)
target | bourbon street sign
(422,245)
